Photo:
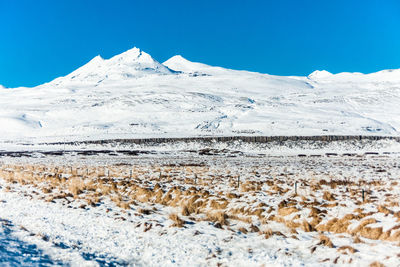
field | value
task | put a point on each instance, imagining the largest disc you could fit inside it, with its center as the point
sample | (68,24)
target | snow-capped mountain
(133,63)
(132,95)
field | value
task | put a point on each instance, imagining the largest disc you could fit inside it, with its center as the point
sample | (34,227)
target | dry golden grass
(385,210)
(284,211)
(218,217)
(178,222)
(204,199)
(267,233)
(334,225)
(328,196)
(371,233)
(347,249)
(325,241)
(76,186)
(376,264)
(307,227)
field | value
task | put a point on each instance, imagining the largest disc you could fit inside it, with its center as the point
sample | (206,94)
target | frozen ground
(285,148)
(132,95)
(67,230)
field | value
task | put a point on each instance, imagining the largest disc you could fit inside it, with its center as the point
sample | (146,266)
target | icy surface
(133,95)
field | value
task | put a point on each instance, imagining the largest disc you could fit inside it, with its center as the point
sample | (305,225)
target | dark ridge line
(247,139)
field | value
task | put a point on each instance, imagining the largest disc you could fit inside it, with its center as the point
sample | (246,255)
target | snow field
(209,210)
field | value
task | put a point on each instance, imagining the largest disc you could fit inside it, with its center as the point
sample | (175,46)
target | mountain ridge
(178,63)
(132,95)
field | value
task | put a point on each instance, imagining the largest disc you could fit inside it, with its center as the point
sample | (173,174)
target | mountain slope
(133,95)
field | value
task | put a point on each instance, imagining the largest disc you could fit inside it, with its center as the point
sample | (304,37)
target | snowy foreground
(132,95)
(198,207)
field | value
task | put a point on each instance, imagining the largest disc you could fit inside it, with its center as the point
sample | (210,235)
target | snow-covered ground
(132,95)
(67,230)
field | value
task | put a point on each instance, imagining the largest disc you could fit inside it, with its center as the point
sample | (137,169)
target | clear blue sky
(41,40)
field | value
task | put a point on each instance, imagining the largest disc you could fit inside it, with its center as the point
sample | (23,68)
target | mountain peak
(96,61)
(179,63)
(133,63)
(97,58)
(318,74)
(176,59)
(135,60)
(132,54)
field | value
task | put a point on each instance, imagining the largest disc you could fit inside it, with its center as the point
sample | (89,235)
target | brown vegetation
(312,210)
